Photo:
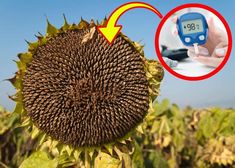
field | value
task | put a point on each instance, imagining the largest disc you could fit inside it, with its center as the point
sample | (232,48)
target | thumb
(221,52)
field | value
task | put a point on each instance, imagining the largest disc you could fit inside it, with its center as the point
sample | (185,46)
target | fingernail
(220,52)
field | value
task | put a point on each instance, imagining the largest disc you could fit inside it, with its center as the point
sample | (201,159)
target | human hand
(204,56)
(213,51)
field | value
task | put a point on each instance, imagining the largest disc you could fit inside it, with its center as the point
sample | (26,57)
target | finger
(220,50)
(211,24)
(191,54)
(174,19)
(209,61)
(202,50)
(174,31)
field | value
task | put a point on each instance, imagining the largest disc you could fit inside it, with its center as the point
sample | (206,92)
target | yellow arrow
(111,30)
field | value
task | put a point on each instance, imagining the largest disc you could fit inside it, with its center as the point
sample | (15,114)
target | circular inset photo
(193,42)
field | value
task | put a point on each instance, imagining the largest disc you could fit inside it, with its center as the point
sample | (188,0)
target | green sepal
(66,25)
(82,24)
(21,65)
(64,148)
(140,129)
(16,81)
(26,122)
(69,150)
(109,147)
(103,22)
(42,137)
(91,152)
(42,41)
(92,23)
(155,69)
(25,57)
(32,46)
(76,154)
(17,97)
(51,30)
(139,47)
(124,157)
(19,108)
(35,132)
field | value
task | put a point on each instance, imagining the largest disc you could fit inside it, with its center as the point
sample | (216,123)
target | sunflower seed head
(86,93)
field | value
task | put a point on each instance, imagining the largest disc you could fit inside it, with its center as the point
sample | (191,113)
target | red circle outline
(216,70)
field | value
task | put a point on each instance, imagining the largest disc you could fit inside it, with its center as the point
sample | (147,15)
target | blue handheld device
(192,29)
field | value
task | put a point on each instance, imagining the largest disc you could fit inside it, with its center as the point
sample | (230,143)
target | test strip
(196,48)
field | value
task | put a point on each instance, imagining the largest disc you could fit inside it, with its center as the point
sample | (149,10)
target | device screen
(192,26)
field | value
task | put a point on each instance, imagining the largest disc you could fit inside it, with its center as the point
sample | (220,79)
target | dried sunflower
(75,90)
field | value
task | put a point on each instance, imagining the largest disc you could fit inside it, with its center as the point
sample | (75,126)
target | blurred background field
(171,138)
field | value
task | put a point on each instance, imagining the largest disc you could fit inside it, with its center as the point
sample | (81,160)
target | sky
(20,20)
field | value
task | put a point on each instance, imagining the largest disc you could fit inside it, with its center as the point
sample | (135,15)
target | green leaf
(155,126)
(179,140)
(107,161)
(207,125)
(172,163)
(176,111)
(137,158)
(161,108)
(227,127)
(39,159)
(126,160)
(156,160)
(7,120)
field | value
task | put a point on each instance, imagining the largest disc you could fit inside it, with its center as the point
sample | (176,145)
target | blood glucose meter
(192,29)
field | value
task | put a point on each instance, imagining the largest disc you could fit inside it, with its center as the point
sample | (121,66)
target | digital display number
(192,26)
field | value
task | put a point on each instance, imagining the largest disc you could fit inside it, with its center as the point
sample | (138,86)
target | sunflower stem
(87,159)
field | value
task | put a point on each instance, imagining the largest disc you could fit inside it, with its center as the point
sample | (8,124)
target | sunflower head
(76,88)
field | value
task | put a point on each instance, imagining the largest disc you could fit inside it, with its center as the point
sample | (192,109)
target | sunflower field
(169,137)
